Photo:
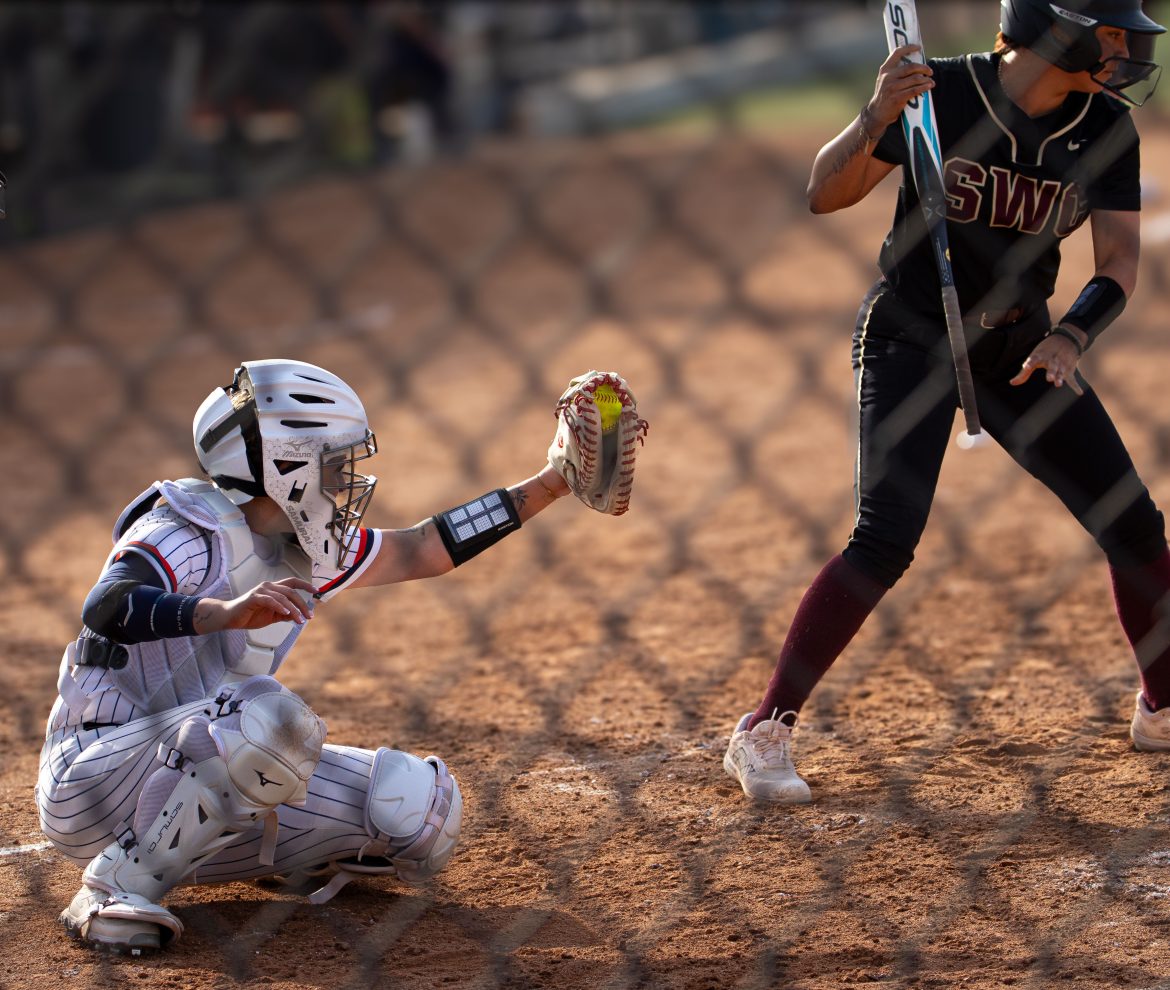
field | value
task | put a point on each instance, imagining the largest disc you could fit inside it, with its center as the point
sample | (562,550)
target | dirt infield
(979,817)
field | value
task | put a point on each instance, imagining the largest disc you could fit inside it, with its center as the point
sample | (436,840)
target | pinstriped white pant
(90,781)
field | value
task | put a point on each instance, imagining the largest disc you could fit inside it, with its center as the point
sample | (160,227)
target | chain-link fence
(453,209)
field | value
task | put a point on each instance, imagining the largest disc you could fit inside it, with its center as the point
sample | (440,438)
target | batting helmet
(293,432)
(1066,35)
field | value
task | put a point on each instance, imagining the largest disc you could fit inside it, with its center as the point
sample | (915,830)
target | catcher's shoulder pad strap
(139,507)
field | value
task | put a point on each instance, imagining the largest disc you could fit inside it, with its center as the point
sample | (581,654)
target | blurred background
(107,110)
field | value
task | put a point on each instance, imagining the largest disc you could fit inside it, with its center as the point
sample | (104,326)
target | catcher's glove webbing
(597,465)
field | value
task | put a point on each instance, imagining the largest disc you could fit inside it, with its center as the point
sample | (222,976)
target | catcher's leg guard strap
(471,528)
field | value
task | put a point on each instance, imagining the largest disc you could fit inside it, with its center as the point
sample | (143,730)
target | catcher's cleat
(103,921)
(760,759)
(1150,730)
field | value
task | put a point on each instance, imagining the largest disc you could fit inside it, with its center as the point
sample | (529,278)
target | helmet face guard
(1140,74)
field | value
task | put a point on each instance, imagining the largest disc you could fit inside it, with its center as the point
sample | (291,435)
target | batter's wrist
(1079,338)
(870,129)
(1099,304)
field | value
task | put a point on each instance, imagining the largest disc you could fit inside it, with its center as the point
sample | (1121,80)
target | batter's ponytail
(1003,43)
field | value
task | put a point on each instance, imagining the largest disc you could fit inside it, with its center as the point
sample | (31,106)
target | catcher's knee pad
(271,741)
(223,776)
(413,815)
(414,812)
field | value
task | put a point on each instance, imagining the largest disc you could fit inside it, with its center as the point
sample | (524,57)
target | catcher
(172,753)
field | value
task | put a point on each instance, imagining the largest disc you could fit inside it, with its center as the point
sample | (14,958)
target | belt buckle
(1006,318)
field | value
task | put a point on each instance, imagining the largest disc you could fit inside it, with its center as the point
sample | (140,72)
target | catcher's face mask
(348,489)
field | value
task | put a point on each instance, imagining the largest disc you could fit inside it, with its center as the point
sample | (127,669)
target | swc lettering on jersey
(1008,199)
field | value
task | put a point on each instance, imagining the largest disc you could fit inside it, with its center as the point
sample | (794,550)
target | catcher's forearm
(538,492)
(468,529)
(421,551)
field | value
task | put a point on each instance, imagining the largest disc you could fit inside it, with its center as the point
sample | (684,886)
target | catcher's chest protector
(168,672)
(242,566)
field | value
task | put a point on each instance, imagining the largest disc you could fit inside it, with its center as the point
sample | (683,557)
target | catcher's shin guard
(224,775)
(413,814)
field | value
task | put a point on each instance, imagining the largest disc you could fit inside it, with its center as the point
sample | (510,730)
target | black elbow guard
(105,609)
(471,528)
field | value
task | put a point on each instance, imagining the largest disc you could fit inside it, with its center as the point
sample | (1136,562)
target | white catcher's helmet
(294,432)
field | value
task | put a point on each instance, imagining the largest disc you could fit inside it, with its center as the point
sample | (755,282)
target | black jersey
(1016,186)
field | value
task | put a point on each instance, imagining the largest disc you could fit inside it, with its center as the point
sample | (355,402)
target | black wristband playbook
(471,528)
(1099,304)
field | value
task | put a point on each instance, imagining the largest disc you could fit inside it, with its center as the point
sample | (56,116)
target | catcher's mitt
(598,463)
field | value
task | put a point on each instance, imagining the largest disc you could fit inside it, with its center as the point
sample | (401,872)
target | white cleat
(761,761)
(1150,730)
(121,935)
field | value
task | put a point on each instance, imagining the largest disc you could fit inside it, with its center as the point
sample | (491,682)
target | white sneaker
(762,763)
(1150,730)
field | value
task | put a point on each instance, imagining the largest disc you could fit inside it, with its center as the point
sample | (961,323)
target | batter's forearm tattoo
(859,145)
(519,498)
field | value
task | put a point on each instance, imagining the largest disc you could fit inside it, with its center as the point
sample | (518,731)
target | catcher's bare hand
(267,603)
(1058,357)
(898,82)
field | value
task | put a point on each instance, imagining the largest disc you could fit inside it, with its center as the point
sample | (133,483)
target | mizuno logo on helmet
(1070,15)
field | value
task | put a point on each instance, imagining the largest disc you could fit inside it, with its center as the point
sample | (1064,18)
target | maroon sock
(1142,596)
(831,612)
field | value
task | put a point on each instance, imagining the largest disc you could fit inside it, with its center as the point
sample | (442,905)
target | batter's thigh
(1070,444)
(907,399)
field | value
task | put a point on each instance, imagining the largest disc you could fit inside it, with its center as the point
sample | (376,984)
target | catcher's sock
(1142,596)
(833,609)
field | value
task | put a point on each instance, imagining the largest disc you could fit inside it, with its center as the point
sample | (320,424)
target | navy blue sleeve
(129,605)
